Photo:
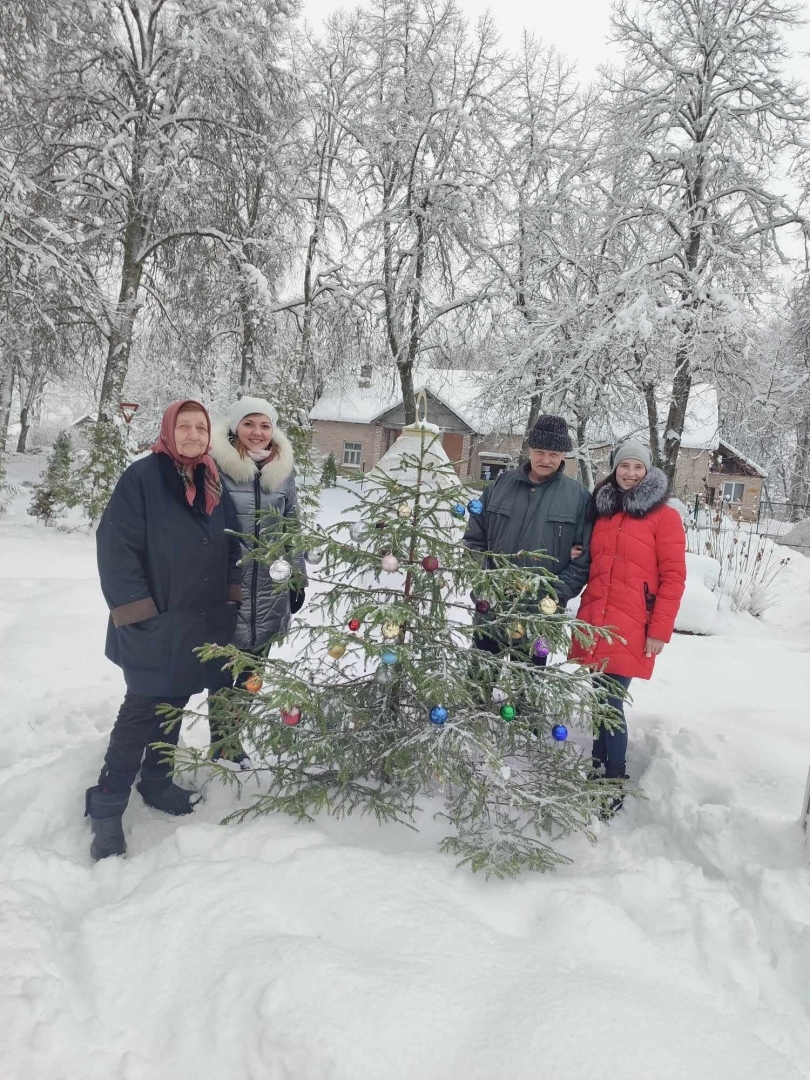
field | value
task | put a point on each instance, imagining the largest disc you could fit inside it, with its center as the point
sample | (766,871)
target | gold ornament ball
(548,606)
(390,630)
(337,650)
(518,631)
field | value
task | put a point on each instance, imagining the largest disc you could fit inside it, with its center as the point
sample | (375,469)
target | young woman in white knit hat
(256,467)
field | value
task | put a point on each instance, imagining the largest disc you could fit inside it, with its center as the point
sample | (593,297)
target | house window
(733,493)
(352,452)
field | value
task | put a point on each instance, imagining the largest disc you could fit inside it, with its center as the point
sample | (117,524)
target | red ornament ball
(354,624)
(291,717)
(430,563)
(482,606)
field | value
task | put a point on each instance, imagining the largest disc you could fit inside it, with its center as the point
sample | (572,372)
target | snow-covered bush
(748,564)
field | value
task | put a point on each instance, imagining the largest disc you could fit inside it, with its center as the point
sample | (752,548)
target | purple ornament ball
(540,650)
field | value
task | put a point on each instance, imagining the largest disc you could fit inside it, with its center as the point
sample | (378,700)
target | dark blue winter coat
(167,572)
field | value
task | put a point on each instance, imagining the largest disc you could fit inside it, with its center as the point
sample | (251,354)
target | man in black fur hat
(536,508)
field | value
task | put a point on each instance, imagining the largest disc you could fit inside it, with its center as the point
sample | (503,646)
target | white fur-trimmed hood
(244,469)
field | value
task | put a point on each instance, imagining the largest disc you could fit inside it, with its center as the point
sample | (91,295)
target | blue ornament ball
(389,657)
(458,510)
(475,506)
(559,732)
(438,714)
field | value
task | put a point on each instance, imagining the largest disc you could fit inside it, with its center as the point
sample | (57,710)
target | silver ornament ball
(280,570)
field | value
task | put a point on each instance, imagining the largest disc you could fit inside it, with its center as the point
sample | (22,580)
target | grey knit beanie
(550,433)
(246,406)
(631,448)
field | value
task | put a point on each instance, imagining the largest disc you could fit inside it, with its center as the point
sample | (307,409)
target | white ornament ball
(357,531)
(314,557)
(280,570)
(384,675)
(548,606)
(404,510)
(390,630)
(498,695)
(390,564)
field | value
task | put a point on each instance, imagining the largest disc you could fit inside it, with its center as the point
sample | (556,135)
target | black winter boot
(616,774)
(158,791)
(105,810)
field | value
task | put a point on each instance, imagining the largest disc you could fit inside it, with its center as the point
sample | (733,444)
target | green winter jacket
(521,516)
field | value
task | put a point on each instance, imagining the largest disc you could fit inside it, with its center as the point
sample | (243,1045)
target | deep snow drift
(678,947)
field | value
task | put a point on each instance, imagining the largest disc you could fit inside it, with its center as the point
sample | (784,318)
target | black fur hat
(550,433)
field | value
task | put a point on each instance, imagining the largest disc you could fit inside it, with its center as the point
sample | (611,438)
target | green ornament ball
(508,712)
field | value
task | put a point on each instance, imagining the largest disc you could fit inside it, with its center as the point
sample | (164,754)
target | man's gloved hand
(297,597)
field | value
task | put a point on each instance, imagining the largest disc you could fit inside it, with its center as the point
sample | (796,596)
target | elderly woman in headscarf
(170,577)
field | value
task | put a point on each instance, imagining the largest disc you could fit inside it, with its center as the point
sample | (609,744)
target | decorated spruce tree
(386,709)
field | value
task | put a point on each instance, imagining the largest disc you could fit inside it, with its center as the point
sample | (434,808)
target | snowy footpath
(678,947)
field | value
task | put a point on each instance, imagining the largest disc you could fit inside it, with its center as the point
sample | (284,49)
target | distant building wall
(331,436)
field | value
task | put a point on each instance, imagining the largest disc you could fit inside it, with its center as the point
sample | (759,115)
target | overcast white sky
(577,28)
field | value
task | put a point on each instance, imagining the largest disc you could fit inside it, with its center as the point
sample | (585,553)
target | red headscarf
(166,445)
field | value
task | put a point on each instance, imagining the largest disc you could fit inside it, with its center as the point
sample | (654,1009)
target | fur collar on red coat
(652,492)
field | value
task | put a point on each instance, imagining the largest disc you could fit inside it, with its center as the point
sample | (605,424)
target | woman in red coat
(637,578)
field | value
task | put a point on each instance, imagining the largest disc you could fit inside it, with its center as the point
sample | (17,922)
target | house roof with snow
(473,397)
(351,403)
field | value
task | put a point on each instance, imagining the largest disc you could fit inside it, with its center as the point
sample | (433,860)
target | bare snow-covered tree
(709,119)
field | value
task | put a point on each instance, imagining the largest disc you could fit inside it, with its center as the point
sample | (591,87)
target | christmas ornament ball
(517,631)
(559,732)
(357,531)
(314,557)
(482,606)
(354,625)
(548,606)
(280,570)
(336,650)
(498,695)
(390,630)
(384,676)
(475,506)
(459,510)
(389,657)
(430,563)
(291,716)
(438,714)
(540,650)
(390,564)
(404,511)
(508,712)
(253,684)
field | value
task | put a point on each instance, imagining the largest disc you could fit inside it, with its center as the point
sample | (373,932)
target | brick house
(360,420)
(709,468)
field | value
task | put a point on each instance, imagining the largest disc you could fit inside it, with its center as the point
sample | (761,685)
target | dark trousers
(136,728)
(611,746)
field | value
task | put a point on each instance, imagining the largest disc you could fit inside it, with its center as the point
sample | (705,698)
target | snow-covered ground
(678,947)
